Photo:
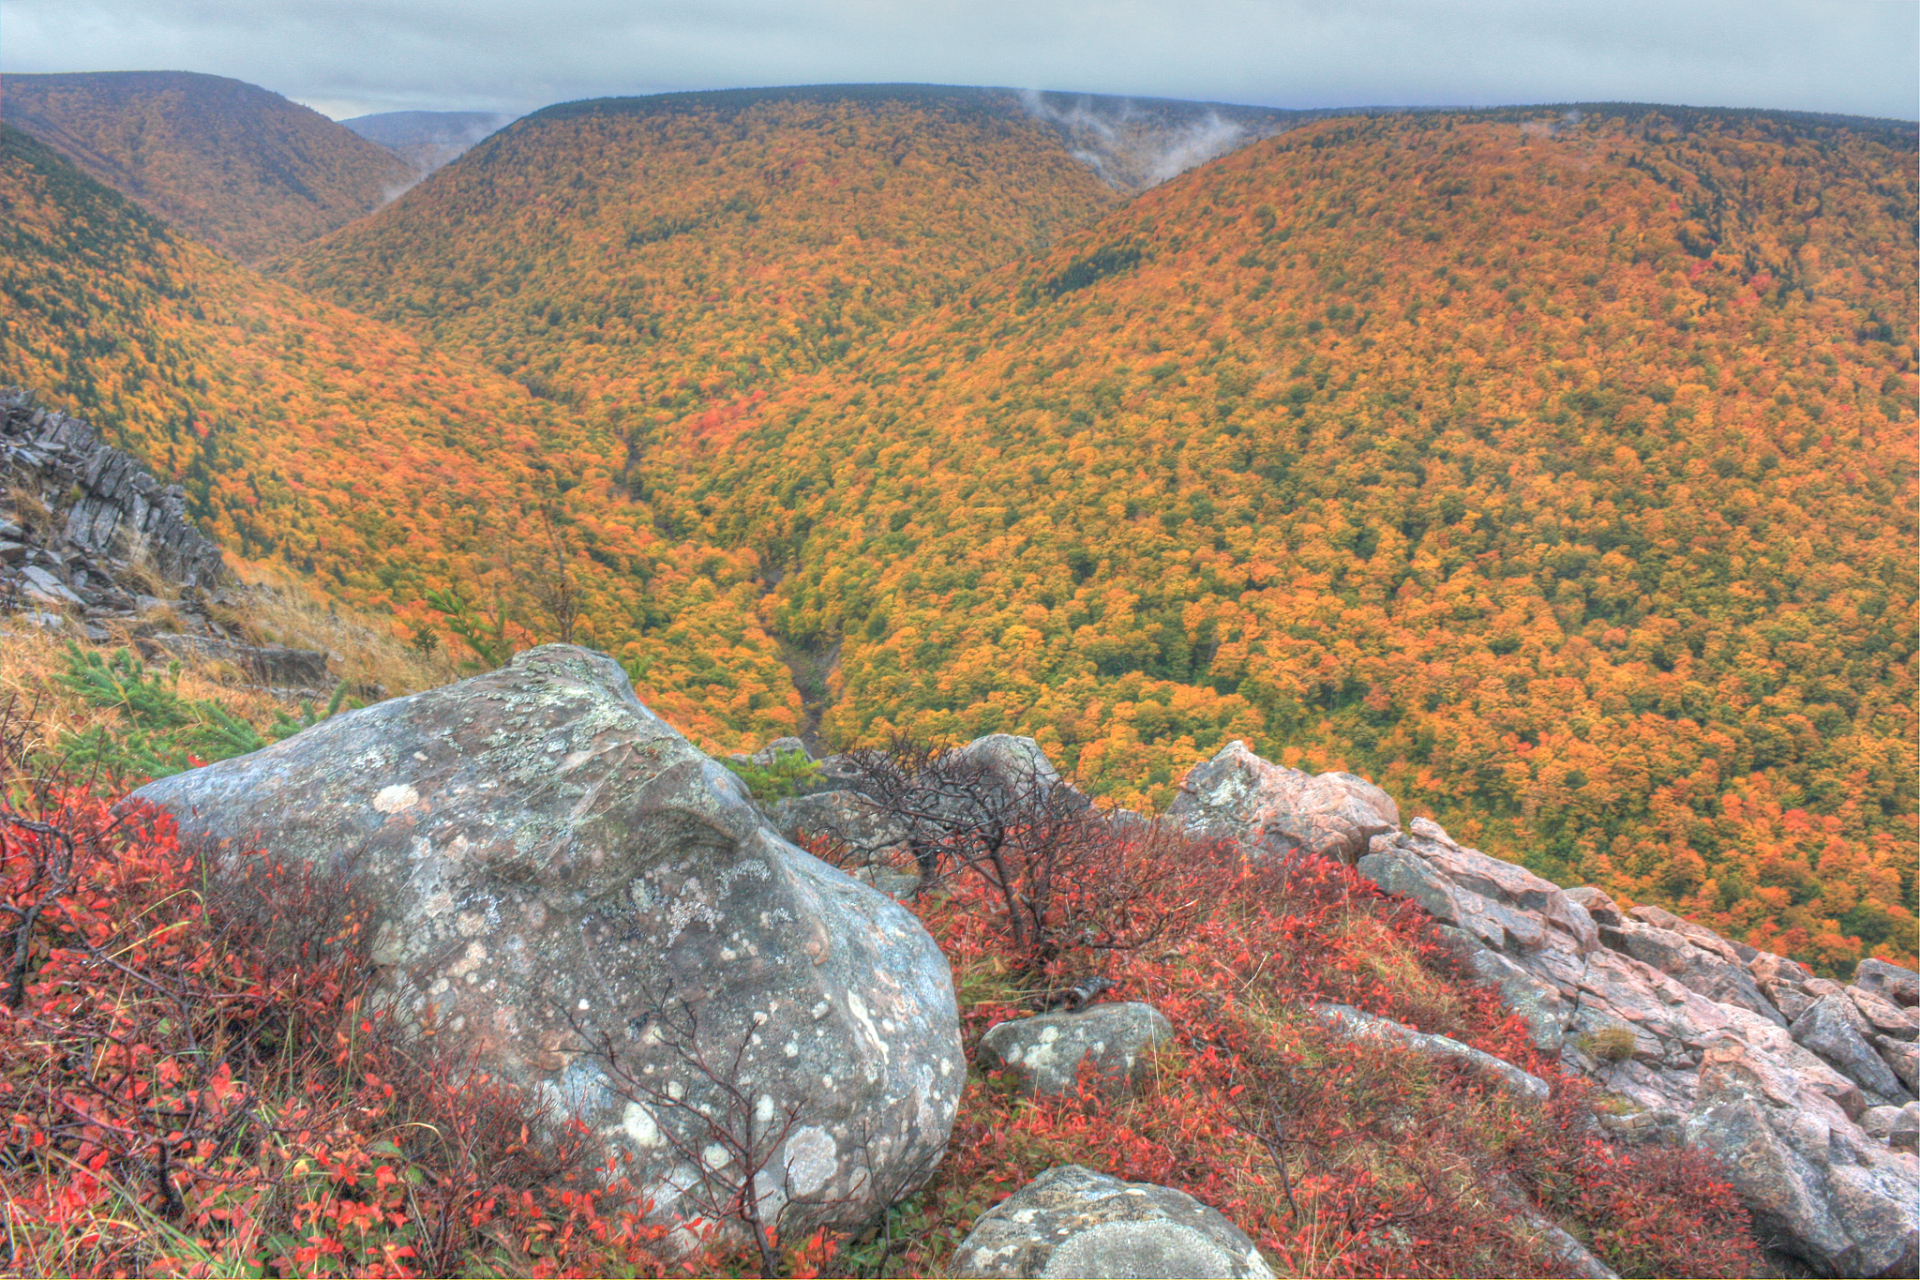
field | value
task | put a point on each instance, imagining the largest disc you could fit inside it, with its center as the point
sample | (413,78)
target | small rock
(43,583)
(1046,1050)
(1654,1126)
(1898,1127)
(1902,1058)
(1886,1018)
(1601,907)
(1352,1022)
(1071,1221)
(770,754)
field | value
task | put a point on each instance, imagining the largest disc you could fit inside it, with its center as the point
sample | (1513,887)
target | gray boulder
(848,817)
(1885,1018)
(1603,909)
(1898,1127)
(1888,981)
(1834,1029)
(1015,762)
(1280,811)
(1046,1050)
(597,910)
(1901,1058)
(1071,1221)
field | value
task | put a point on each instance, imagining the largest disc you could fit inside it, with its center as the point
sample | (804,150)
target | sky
(352,57)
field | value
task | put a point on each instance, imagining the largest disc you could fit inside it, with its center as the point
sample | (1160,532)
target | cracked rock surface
(1738,1051)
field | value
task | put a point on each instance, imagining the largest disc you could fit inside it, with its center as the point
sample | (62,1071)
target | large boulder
(1275,810)
(578,895)
(1071,1221)
(1045,1051)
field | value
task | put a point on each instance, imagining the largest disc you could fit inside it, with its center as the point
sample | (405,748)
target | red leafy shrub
(1340,1157)
(194,1082)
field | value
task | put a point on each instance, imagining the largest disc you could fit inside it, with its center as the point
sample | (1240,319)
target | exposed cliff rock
(1738,1051)
(92,543)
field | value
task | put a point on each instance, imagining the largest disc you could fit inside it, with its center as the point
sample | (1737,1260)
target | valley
(1553,467)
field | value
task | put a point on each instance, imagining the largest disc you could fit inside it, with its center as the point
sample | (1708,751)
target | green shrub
(160,732)
(779,780)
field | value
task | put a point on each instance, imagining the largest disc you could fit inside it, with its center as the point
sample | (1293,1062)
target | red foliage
(194,1082)
(1338,1157)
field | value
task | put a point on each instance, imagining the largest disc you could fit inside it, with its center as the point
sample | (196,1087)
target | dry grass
(373,664)
(361,651)
(1432,1002)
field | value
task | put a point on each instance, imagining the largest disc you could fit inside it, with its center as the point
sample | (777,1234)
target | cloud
(1135,146)
(356,56)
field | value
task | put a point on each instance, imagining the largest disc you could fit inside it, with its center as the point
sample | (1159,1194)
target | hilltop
(693,247)
(235,165)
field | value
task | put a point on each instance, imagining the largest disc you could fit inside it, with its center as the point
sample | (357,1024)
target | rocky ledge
(93,546)
(1793,1081)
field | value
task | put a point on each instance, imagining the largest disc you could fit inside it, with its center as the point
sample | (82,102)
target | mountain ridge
(238,166)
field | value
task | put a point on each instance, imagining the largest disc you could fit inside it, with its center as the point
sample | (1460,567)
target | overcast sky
(350,57)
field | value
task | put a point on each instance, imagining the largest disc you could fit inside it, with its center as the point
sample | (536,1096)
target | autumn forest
(1554,468)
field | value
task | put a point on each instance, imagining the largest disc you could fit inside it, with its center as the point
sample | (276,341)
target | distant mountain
(234,165)
(427,139)
(694,247)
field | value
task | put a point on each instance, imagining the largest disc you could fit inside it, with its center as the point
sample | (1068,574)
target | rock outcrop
(119,502)
(1278,811)
(1741,1052)
(570,889)
(1070,1221)
(89,536)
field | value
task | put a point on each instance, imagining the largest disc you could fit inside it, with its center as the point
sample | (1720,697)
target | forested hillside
(686,251)
(235,165)
(1556,471)
(339,447)
(1560,475)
